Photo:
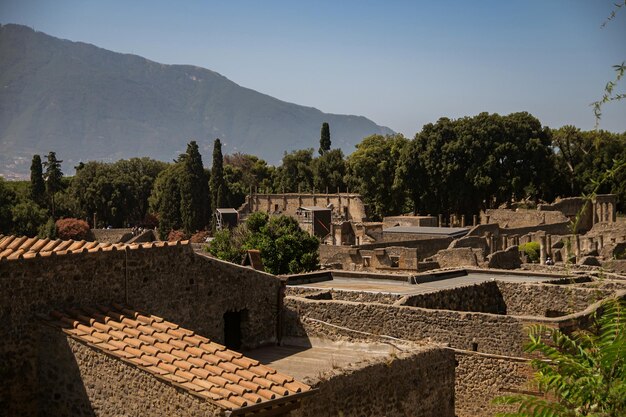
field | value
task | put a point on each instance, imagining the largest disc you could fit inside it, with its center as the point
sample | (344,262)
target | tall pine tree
(324,139)
(53,178)
(37,184)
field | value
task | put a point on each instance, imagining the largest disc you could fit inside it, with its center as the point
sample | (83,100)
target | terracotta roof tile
(177,355)
(15,247)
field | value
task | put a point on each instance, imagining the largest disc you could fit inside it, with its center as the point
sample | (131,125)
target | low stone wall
(358,296)
(76,380)
(546,300)
(488,333)
(482,377)
(457,258)
(408,384)
(112,235)
(507,218)
(483,297)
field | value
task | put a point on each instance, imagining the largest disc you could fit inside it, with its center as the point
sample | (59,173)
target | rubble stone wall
(482,377)
(171,282)
(408,384)
(77,380)
(490,333)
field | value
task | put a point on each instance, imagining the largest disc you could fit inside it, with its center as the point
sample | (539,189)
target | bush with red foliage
(73,229)
(176,235)
(199,237)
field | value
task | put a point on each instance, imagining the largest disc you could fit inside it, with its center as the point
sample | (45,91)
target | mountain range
(88,103)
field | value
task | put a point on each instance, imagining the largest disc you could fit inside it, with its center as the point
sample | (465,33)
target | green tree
(324,139)
(165,199)
(28,218)
(296,172)
(37,184)
(53,178)
(583,374)
(194,191)
(371,171)
(242,173)
(465,165)
(7,200)
(329,171)
(285,248)
(217,177)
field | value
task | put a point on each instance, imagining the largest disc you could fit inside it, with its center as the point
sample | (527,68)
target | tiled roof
(181,357)
(14,247)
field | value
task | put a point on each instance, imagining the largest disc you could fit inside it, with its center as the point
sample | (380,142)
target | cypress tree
(218,184)
(37,184)
(53,178)
(193,190)
(324,139)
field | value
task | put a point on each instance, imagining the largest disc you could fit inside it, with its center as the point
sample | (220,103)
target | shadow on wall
(59,388)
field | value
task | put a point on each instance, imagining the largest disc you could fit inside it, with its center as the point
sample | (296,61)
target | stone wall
(419,221)
(482,377)
(409,252)
(112,235)
(346,206)
(171,282)
(417,383)
(76,380)
(488,333)
(507,218)
(514,299)
(358,296)
(483,297)
(457,258)
(546,300)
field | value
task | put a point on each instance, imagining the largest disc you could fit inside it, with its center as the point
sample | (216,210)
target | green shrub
(532,251)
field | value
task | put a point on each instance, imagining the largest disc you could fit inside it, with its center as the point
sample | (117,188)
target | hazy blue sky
(400,63)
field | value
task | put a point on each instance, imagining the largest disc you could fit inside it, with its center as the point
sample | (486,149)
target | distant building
(226,218)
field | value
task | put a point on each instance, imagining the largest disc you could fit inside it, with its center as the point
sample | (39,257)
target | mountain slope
(87,103)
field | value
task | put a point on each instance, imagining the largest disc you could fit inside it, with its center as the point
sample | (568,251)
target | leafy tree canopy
(285,248)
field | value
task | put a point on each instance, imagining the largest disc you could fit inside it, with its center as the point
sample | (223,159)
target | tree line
(452,166)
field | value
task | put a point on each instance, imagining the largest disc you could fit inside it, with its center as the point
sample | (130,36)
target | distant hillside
(88,103)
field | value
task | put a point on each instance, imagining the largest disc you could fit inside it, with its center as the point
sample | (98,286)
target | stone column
(462,220)
(542,250)
(594,213)
(549,244)
(577,246)
(451,221)
(489,243)
(494,243)
(474,220)
(600,241)
(440,220)
(589,244)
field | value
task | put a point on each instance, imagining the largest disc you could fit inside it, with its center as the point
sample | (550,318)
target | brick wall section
(171,282)
(481,377)
(409,384)
(497,334)
(76,380)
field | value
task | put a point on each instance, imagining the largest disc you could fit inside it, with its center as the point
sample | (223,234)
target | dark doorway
(232,329)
